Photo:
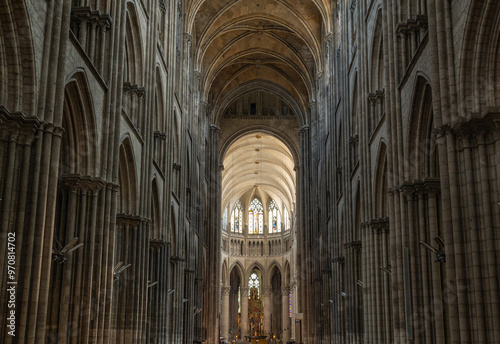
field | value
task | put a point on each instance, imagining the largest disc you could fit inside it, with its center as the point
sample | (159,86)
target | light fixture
(439,252)
(59,252)
(119,268)
(385,269)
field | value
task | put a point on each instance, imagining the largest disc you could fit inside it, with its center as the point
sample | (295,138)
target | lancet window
(237,218)
(274,218)
(256,217)
(287,219)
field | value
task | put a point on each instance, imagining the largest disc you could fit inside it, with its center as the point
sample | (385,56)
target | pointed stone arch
(127,179)
(260,267)
(421,144)
(377,55)
(274,265)
(159,121)
(225,273)
(79,148)
(287,273)
(479,77)
(286,94)
(133,64)
(356,232)
(156,214)
(238,266)
(17,59)
(380,186)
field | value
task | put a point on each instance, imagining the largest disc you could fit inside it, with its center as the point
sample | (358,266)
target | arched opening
(236,283)
(259,186)
(276,303)
(76,206)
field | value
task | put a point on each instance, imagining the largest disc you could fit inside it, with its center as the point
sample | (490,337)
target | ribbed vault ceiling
(274,42)
(258,161)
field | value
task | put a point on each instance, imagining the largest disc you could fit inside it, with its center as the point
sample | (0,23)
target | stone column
(285,292)
(267,309)
(224,330)
(244,311)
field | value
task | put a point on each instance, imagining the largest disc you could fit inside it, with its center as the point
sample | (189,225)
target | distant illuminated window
(237,218)
(287,219)
(224,219)
(274,218)
(253,282)
(290,303)
(256,217)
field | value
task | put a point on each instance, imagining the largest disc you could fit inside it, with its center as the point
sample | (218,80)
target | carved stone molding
(225,290)
(130,220)
(428,185)
(380,225)
(244,291)
(78,182)
(157,244)
(304,129)
(267,291)
(176,259)
(356,245)
(215,128)
(285,290)
(339,260)
(160,136)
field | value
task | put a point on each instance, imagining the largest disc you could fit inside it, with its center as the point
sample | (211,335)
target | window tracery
(274,218)
(224,219)
(237,218)
(287,219)
(256,217)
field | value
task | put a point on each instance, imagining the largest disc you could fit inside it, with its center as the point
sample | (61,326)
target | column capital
(215,128)
(303,129)
(53,129)
(244,291)
(225,290)
(441,131)
(407,189)
(329,37)
(105,22)
(432,186)
(266,291)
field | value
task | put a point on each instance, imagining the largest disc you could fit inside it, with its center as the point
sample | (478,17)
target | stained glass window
(290,303)
(239,299)
(287,219)
(256,217)
(237,218)
(224,219)
(274,218)
(253,281)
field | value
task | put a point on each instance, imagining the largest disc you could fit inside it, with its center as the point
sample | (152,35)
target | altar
(255,316)
(256,339)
